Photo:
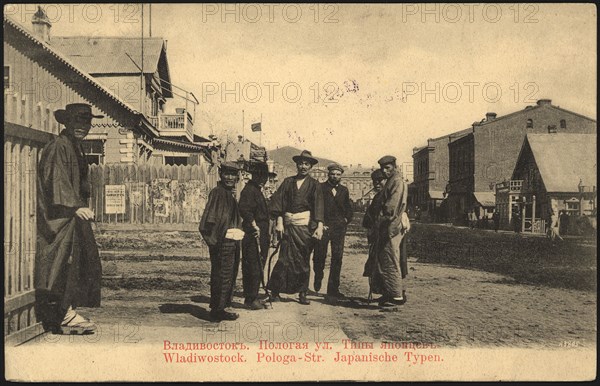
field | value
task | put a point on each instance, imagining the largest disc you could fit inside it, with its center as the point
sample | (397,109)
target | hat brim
(62,116)
(298,158)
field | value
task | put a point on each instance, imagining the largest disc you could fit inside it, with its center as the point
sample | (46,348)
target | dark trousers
(224,265)
(334,235)
(251,266)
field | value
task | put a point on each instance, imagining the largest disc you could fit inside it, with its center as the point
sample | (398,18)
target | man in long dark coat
(390,268)
(298,207)
(371,223)
(68,271)
(255,216)
(338,213)
(220,229)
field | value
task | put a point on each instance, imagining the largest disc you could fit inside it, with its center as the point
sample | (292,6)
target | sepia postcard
(300,192)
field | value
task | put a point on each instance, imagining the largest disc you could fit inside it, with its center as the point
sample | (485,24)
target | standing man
(392,228)
(338,213)
(496,219)
(219,228)
(298,207)
(255,216)
(68,272)
(371,223)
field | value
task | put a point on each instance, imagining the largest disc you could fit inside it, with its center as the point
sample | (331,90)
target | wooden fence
(150,194)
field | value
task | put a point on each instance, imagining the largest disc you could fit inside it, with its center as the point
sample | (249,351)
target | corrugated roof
(108,55)
(565,159)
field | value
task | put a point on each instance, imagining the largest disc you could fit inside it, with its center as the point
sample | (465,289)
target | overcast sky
(354,82)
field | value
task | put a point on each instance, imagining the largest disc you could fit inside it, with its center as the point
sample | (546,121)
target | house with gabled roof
(556,171)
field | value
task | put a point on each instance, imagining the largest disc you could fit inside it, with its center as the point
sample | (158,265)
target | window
(563,124)
(530,123)
(176,160)
(6,77)
(94,151)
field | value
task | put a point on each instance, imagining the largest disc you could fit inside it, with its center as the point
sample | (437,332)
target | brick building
(487,155)
(430,177)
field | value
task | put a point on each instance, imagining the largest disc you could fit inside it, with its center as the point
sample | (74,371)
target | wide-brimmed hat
(82,110)
(305,155)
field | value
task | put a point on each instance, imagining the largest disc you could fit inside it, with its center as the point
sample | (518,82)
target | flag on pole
(256,127)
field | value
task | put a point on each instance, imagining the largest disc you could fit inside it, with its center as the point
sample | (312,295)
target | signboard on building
(114,199)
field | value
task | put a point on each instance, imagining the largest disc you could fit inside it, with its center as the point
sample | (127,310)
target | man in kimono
(219,227)
(298,207)
(392,227)
(255,224)
(68,271)
(338,213)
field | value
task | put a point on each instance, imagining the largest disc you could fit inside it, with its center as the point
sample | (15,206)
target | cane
(262,269)
(271,259)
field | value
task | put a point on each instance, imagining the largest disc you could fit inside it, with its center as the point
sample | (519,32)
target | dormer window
(530,123)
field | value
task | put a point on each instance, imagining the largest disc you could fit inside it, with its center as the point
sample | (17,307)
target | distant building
(555,171)
(488,154)
(430,177)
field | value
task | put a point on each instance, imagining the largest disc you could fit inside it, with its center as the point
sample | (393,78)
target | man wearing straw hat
(67,263)
(220,229)
(298,207)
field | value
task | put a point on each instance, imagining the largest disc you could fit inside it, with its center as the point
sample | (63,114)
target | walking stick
(262,269)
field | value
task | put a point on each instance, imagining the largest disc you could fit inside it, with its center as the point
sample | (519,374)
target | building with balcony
(555,172)
(488,155)
(145,86)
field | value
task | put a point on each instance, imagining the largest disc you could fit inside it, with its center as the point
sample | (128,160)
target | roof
(20,36)
(99,55)
(107,55)
(485,198)
(564,159)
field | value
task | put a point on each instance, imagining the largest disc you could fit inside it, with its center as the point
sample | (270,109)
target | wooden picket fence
(150,194)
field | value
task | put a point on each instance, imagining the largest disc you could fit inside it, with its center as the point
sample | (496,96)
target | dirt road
(156,288)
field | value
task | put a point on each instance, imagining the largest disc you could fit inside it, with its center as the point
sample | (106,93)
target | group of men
(307,216)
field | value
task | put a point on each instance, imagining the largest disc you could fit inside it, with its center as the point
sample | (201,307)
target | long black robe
(253,207)
(67,263)
(221,213)
(292,270)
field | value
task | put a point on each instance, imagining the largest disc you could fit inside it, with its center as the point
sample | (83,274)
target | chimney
(544,102)
(359,166)
(41,25)
(490,117)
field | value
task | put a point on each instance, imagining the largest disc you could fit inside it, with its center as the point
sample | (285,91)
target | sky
(355,82)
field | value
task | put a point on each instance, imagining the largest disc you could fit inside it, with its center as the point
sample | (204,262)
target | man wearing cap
(67,263)
(371,222)
(338,213)
(392,227)
(219,228)
(255,216)
(298,207)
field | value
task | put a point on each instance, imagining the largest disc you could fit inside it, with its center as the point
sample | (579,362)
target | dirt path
(155,294)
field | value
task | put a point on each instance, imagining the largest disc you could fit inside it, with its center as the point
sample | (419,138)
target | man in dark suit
(338,213)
